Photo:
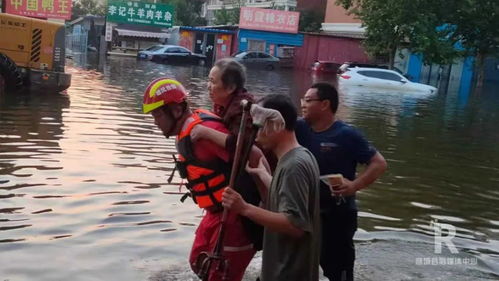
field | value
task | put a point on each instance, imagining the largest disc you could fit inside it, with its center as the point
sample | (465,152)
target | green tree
(87,7)
(311,21)
(411,24)
(187,13)
(476,26)
(226,16)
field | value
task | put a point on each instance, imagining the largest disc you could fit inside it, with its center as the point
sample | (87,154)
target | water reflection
(86,180)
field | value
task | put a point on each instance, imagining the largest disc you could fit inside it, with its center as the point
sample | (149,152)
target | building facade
(455,77)
(274,43)
(339,22)
(340,40)
(214,43)
(211,6)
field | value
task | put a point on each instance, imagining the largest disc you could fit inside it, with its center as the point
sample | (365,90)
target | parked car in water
(257,60)
(378,78)
(149,52)
(172,54)
(325,67)
(347,65)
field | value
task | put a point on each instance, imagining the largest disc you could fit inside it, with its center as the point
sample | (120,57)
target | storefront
(132,25)
(274,43)
(137,37)
(274,32)
(213,43)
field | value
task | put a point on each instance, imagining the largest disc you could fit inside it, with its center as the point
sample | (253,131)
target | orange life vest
(206,179)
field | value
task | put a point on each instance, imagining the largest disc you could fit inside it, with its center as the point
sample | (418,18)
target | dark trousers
(337,252)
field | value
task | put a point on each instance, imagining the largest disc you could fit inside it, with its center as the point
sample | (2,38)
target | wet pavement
(83,192)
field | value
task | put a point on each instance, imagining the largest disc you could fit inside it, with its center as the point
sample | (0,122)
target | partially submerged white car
(377,78)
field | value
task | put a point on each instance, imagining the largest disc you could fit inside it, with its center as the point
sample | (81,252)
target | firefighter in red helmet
(206,167)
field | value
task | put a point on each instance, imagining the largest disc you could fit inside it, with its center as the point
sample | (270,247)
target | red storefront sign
(269,20)
(56,9)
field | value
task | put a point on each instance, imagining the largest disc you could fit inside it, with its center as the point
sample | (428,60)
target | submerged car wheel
(201,62)
(269,67)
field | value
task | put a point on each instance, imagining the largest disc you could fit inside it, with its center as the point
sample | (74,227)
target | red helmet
(163,91)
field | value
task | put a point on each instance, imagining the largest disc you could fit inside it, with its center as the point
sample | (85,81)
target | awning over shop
(145,34)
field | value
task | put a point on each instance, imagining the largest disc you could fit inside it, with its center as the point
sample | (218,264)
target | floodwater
(83,192)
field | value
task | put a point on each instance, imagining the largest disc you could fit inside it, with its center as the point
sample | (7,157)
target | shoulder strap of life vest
(184,142)
(199,116)
(185,149)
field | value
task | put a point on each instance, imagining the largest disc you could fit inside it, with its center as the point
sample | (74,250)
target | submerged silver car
(257,60)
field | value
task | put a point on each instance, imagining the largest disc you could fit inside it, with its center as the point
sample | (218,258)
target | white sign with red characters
(269,20)
(55,9)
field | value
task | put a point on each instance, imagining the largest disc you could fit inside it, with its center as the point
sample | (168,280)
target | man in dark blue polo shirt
(338,149)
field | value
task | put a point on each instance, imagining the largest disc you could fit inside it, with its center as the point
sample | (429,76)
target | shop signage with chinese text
(269,20)
(55,9)
(140,13)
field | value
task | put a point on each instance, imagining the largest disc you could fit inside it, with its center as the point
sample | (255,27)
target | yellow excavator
(32,54)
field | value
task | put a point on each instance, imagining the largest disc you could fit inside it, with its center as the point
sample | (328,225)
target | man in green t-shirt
(291,209)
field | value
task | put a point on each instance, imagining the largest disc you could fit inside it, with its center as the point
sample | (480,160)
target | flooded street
(83,192)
